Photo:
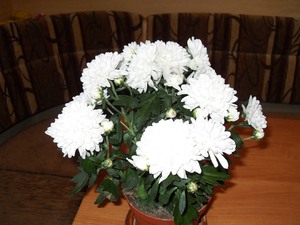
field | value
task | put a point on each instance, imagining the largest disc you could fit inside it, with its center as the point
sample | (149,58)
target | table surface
(264,187)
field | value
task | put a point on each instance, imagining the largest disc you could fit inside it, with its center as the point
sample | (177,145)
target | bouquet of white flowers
(175,116)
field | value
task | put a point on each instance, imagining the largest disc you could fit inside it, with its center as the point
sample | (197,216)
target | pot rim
(202,211)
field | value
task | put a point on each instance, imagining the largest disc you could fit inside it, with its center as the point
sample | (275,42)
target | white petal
(222,161)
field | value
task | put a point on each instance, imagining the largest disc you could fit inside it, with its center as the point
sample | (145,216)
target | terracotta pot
(137,217)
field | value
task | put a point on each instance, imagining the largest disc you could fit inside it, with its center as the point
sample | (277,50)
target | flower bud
(233,115)
(102,94)
(258,134)
(192,187)
(119,81)
(108,163)
(198,112)
(170,113)
(107,125)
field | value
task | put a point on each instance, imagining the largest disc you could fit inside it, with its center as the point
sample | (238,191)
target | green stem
(114,90)
(129,128)
(126,127)
(231,127)
(107,142)
(111,112)
(248,138)
(113,107)
(129,89)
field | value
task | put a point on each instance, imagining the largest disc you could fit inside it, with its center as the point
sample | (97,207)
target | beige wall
(5,9)
(146,7)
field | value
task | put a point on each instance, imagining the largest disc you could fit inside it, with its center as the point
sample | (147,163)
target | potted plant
(173,115)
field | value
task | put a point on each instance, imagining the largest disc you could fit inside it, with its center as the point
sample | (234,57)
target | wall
(146,7)
(5,9)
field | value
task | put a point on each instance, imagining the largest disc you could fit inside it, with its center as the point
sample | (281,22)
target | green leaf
(141,191)
(236,138)
(81,179)
(116,137)
(212,172)
(88,165)
(114,173)
(129,180)
(92,179)
(182,202)
(99,158)
(120,164)
(187,217)
(150,106)
(153,191)
(213,176)
(170,179)
(128,138)
(208,180)
(181,183)
(128,101)
(201,199)
(110,189)
(164,197)
(166,99)
(101,197)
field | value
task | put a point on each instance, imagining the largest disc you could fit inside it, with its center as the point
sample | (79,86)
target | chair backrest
(257,55)
(41,60)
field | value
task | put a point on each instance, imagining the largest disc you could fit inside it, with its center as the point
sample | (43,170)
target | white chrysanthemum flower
(212,140)
(210,94)
(253,114)
(129,51)
(99,71)
(83,98)
(233,114)
(198,51)
(173,60)
(77,127)
(168,148)
(174,80)
(143,69)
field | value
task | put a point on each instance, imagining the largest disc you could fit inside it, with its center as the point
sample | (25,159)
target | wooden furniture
(264,187)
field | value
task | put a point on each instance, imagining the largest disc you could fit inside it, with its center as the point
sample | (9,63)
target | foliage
(186,93)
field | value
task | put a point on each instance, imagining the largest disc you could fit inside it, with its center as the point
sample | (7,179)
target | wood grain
(264,187)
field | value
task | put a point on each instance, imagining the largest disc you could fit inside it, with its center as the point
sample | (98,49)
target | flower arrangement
(175,116)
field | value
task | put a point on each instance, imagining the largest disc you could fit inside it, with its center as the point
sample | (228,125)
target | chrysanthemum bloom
(233,113)
(99,71)
(143,69)
(212,140)
(173,60)
(129,51)
(253,114)
(168,149)
(77,127)
(200,61)
(210,94)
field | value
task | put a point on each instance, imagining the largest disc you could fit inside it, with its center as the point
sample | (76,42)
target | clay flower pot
(137,217)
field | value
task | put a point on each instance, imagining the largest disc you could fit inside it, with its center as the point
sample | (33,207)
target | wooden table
(264,188)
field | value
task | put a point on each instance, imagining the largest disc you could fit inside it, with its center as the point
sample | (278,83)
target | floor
(35,180)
